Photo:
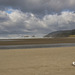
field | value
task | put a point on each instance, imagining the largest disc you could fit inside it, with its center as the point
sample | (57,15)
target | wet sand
(38,61)
(36,41)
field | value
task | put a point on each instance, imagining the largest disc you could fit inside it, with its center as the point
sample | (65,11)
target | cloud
(3,16)
(18,22)
(36,16)
(39,6)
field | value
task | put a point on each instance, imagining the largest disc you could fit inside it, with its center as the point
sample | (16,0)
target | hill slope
(65,33)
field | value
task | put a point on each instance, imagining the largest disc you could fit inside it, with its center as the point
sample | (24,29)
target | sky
(36,17)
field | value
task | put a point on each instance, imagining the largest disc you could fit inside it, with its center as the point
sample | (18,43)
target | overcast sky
(36,16)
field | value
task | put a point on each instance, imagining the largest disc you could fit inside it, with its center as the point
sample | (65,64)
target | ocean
(17,36)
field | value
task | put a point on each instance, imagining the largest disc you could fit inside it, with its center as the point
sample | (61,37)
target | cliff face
(65,33)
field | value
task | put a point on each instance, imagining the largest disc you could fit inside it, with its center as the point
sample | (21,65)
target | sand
(37,61)
(36,41)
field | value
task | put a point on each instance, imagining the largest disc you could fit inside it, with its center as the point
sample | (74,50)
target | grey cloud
(2,19)
(27,23)
(3,16)
(39,6)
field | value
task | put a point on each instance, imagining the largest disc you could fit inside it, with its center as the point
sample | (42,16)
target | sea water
(17,36)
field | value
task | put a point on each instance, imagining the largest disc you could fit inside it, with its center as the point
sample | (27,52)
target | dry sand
(38,61)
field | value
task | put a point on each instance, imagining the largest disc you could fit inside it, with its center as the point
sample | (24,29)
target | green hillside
(64,33)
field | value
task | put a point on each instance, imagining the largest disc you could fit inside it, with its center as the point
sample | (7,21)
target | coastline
(36,41)
(37,46)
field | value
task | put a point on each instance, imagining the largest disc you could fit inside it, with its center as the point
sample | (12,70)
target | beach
(37,61)
(33,41)
(37,37)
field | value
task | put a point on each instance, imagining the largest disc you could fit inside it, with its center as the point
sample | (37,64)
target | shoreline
(37,46)
(36,41)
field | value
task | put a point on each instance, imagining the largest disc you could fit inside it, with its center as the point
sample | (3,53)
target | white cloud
(20,22)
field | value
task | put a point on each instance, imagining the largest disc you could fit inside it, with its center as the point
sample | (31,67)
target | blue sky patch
(9,11)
